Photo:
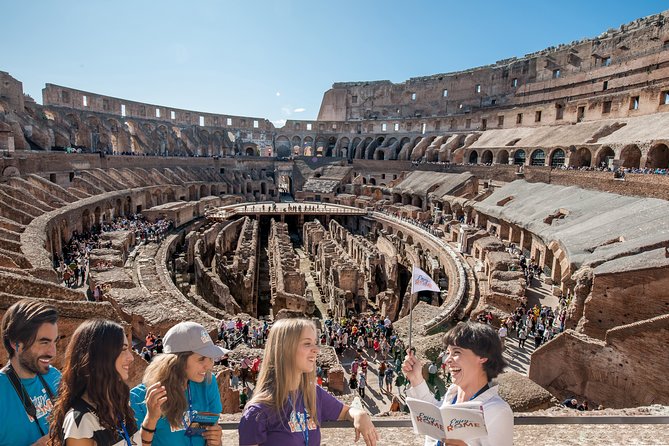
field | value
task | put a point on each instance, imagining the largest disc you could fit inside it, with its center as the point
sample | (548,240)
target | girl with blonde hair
(288,407)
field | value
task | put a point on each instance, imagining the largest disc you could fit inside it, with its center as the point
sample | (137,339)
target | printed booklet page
(461,421)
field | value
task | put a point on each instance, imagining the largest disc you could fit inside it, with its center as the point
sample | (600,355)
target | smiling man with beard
(28,384)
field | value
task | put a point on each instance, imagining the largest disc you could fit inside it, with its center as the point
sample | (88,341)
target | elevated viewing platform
(282,209)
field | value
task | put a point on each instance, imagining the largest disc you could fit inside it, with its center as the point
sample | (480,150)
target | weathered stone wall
(287,282)
(568,75)
(236,261)
(623,298)
(625,370)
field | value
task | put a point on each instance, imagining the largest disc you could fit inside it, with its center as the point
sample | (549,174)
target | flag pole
(410,319)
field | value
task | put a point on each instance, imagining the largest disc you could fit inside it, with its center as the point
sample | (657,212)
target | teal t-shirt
(205,398)
(18,429)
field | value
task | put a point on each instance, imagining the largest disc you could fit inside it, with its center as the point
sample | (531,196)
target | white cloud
(279,123)
(278,93)
(299,110)
(286,111)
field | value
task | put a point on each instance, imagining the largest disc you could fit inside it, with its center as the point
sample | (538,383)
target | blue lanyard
(303,424)
(124,432)
(190,411)
(481,390)
(190,406)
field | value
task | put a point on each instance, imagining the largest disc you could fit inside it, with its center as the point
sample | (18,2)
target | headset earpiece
(17,347)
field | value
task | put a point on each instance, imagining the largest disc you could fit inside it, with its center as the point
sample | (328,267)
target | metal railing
(518,420)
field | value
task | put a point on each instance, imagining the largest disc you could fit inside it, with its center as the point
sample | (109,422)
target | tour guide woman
(177,385)
(288,407)
(474,358)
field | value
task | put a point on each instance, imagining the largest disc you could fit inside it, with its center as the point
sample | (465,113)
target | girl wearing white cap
(177,388)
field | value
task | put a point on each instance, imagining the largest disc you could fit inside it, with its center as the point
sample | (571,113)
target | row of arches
(372,148)
(630,156)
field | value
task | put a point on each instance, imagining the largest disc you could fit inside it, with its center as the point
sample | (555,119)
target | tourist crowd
(74,264)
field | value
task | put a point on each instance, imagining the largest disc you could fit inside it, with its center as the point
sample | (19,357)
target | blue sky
(275,59)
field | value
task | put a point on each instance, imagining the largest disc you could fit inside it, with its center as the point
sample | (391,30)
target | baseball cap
(191,337)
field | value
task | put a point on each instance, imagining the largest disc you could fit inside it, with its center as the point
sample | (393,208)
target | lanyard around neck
(190,406)
(124,432)
(481,390)
(303,424)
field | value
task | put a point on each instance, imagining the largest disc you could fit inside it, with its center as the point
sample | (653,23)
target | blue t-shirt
(261,425)
(205,398)
(18,429)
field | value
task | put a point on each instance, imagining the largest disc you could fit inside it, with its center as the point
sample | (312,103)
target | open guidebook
(461,421)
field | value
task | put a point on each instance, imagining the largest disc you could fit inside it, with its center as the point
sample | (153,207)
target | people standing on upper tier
(93,407)
(28,384)
(178,385)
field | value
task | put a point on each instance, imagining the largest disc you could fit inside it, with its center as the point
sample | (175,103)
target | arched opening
(538,158)
(519,157)
(503,157)
(658,157)
(321,144)
(486,157)
(96,214)
(203,191)
(282,146)
(86,221)
(332,142)
(557,158)
(630,157)
(473,157)
(308,144)
(604,157)
(581,158)
(417,201)
(343,147)
(296,145)
(249,151)
(397,198)
(403,142)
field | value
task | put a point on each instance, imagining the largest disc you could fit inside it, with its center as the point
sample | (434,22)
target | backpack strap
(22,393)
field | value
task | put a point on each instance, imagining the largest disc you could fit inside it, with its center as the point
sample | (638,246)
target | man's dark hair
(483,340)
(22,320)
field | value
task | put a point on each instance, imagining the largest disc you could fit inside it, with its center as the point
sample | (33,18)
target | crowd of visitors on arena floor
(74,263)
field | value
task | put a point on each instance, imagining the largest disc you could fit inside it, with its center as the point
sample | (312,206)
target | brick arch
(630,157)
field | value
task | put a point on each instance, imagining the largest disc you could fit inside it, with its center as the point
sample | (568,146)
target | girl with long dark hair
(93,407)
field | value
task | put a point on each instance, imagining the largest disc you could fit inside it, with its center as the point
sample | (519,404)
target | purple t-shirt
(263,426)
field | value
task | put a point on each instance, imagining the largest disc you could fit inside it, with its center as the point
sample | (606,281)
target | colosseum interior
(561,156)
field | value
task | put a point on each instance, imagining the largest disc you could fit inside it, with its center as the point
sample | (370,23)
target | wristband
(151,431)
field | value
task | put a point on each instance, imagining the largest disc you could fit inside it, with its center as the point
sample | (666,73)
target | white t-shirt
(82,422)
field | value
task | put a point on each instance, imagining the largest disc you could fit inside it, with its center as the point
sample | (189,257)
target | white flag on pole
(421,281)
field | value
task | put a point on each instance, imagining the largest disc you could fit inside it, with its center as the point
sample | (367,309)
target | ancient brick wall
(626,370)
(623,298)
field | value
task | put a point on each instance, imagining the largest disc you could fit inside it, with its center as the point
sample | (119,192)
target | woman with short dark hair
(474,358)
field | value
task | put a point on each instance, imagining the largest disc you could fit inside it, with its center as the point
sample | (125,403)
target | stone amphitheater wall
(626,370)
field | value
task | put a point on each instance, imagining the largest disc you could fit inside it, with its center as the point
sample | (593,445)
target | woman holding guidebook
(474,358)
